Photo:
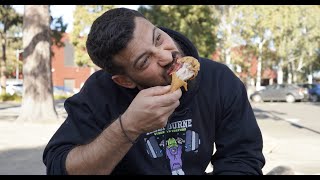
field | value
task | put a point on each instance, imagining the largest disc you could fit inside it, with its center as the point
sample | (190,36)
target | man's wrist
(126,131)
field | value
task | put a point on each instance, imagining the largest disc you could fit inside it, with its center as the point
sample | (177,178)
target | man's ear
(124,81)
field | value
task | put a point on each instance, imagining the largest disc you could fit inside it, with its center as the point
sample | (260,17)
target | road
(291,135)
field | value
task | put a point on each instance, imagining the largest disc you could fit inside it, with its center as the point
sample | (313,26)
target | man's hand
(150,110)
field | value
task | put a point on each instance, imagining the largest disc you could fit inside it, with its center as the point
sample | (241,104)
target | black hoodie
(214,110)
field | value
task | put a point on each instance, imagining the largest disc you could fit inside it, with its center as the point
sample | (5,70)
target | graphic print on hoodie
(172,141)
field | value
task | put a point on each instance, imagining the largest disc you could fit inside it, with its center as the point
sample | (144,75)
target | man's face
(148,56)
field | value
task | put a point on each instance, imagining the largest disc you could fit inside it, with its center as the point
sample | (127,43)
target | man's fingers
(168,99)
(156,91)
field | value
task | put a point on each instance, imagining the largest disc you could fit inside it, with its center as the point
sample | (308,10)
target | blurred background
(274,50)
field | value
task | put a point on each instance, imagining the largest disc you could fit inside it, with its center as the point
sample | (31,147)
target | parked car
(314,93)
(279,92)
(306,87)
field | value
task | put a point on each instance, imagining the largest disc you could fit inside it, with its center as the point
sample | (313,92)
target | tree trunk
(37,102)
(280,73)
(228,58)
(294,73)
(310,75)
(259,66)
(3,68)
(289,80)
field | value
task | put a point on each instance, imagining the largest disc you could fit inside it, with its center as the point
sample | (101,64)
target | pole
(17,64)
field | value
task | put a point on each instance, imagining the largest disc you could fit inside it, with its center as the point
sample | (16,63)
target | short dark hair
(109,34)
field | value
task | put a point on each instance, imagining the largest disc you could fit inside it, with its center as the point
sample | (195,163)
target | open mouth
(175,66)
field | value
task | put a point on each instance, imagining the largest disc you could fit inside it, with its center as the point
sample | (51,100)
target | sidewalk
(22,144)
(285,145)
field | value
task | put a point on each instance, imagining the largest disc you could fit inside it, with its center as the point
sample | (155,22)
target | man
(125,121)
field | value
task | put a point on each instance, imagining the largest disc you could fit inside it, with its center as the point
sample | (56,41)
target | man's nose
(164,57)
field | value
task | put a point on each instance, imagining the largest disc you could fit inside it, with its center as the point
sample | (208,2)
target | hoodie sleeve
(238,137)
(80,127)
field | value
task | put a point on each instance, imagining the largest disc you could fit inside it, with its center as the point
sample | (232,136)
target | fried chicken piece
(189,67)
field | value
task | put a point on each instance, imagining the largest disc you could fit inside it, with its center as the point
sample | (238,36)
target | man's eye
(158,37)
(144,62)
(158,40)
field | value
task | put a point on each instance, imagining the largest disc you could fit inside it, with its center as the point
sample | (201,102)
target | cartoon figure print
(173,148)
(174,151)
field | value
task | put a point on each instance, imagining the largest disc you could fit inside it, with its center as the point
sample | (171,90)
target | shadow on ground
(274,115)
(9,106)
(22,161)
(263,115)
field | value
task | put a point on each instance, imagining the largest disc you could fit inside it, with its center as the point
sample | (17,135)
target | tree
(37,103)
(306,49)
(286,34)
(8,18)
(228,31)
(83,19)
(197,22)
(257,25)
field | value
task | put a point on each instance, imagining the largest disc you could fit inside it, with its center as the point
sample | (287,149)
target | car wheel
(290,98)
(256,98)
(313,98)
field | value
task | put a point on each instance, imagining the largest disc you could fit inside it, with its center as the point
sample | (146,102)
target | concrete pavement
(292,135)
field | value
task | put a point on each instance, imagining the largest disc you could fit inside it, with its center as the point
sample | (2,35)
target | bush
(61,97)
(18,98)
(8,97)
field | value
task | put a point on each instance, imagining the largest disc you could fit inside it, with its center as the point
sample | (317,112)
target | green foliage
(195,21)
(8,18)
(83,19)
(8,97)
(10,26)
(60,97)
(57,31)
(231,25)
(294,34)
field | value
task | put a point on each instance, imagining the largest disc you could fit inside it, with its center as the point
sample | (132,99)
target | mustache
(175,56)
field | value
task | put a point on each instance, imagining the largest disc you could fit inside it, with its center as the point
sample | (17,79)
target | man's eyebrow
(139,57)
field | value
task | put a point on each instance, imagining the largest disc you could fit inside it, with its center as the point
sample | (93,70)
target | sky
(66,11)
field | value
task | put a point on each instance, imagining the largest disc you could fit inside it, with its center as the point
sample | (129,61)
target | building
(250,62)
(64,70)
